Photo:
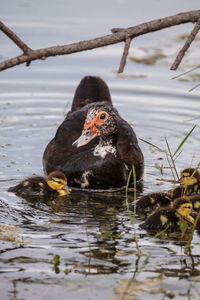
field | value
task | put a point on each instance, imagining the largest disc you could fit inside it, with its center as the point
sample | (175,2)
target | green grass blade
(172,160)
(159,149)
(126,195)
(178,154)
(184,140)
(135,183)
(161,232)
(132,218)
(192,232)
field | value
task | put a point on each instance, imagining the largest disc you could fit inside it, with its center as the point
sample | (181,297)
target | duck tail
(91,89)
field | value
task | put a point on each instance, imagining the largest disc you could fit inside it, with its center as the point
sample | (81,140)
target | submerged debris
(10,233)
(130,290)
(150,59)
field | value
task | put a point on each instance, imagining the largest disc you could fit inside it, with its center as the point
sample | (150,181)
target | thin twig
(187,44)
(125,54)
(15,38)
(114,38)
(184,73)
(194,87)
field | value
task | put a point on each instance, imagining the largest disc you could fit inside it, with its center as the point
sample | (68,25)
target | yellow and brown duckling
(54,185)
(195,200)
(169,217)
(190,185)
(190,178)
(149,202)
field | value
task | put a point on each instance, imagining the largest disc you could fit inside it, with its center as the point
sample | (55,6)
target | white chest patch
(152,200)
(84,179)
(163,219)
(104,150)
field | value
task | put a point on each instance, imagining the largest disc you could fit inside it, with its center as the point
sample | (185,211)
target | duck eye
(102,116)
(188,206)
(58,181)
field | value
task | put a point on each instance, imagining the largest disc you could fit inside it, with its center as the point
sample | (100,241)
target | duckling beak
(86,136)
(189,181)
(66,188)
(194,213)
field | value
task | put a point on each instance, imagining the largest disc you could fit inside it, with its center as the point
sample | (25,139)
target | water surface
(92,233)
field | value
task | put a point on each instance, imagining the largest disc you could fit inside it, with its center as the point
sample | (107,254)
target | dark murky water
(92,233)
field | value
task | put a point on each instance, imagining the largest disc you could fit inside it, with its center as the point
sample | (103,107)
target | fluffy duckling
(54,185)
(190,177)
(169,217)
(195,200)
(190,185)
(152,201)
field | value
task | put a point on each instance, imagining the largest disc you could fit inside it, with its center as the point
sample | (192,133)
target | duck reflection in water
(89,223)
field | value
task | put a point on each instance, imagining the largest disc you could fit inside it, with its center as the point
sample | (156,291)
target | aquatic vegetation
(132,218)
(172,157)
(188,178)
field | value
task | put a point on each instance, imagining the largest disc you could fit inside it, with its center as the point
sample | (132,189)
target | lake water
(92,233)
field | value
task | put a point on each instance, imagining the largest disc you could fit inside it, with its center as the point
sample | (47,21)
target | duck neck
(62,192)
(107,140)
(106,145)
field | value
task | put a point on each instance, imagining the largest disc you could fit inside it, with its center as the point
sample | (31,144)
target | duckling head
(184,208)
(190,177)
(58,182)
(100,121)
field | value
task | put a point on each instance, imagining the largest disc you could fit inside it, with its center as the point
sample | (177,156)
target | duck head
(100,121)
(184,208)
(190,177)
(58,182)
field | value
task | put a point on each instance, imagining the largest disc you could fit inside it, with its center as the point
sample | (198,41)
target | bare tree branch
(15,38)
(125,54)
(187,44)
(116,37)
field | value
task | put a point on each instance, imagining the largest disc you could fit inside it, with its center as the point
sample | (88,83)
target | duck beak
(189,181)
(194,213)
(66,188)
(86,136)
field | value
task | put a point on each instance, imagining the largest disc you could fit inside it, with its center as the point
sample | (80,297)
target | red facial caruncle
(91,129)
(99,120)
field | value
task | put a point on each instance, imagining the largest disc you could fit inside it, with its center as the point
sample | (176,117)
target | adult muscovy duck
(94,146)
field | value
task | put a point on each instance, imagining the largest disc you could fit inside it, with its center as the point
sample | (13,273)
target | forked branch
(118,35)
(187,44)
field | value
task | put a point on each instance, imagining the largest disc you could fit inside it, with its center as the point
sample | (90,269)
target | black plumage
(82,167)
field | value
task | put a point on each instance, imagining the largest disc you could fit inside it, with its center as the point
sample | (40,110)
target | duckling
(169,217)
(54,185)
(190,177)
(152,201)
(195,200)
(190,185)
